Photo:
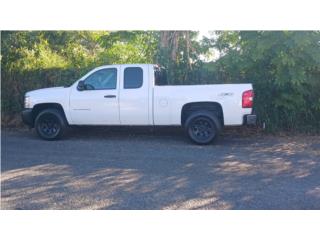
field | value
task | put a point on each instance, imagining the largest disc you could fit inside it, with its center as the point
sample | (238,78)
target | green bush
(284,66)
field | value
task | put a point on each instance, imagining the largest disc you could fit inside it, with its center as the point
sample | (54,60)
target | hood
(49,95)
(45,91)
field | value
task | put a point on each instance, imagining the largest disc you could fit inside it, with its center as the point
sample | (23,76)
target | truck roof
(128,65)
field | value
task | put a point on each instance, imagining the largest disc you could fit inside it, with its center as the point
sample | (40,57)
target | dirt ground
(108,168)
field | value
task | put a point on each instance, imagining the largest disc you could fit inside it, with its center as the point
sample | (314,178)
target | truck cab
(112,95)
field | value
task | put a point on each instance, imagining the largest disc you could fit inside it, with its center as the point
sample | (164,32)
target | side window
(133,77)
(102,79)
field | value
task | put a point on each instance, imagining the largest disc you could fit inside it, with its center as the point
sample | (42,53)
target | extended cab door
(98,104)
(134,95)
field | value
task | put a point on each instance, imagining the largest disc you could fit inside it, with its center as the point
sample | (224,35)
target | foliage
(283,66)
(179,52)
(129,47)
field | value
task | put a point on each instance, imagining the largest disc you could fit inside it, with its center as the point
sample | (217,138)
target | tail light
(247,99)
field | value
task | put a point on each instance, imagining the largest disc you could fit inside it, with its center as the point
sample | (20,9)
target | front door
(98,103)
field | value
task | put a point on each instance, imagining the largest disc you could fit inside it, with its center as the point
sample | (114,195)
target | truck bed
(169,101)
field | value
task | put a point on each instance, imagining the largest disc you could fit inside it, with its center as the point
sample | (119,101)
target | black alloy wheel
(50,124)
(202,130)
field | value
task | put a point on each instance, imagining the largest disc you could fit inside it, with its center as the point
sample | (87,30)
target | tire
(203,127)
(50,124)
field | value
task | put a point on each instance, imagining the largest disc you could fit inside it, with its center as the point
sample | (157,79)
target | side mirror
(81,86)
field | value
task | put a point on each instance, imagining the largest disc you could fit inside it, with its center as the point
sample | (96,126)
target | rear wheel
(50,124)
(202,128)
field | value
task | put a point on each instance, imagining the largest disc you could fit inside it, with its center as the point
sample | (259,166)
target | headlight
(27,102)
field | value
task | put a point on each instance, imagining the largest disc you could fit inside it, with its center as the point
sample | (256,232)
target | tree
(284,67)
(179,52)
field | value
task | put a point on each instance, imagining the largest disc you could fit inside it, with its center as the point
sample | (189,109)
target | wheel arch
(191,107)
(42,106)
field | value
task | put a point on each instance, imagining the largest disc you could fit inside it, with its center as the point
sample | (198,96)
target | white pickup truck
(138,94)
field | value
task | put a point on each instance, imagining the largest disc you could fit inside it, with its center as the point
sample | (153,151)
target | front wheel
(202,128)
(50,124)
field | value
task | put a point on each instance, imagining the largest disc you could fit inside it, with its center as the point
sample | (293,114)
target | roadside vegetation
(284,66)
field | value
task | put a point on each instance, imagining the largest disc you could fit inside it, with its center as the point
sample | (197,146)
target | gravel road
(107,168)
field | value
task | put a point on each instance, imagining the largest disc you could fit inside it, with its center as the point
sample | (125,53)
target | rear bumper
(250,119)
(27,118)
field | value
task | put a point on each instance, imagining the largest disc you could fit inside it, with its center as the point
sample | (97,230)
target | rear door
(134,95)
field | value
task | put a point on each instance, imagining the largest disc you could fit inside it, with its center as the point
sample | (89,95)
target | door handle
(110,96)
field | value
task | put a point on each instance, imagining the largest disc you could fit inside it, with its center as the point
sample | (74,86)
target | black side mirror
(81,86)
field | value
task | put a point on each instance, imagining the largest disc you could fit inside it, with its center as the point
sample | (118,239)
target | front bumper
(250,119)
(26,116)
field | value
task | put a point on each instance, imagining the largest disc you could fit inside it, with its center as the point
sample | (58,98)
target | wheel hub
(49,126)
(202,129)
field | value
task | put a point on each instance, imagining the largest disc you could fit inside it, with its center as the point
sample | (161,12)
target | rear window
(160,76)
(133,77)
